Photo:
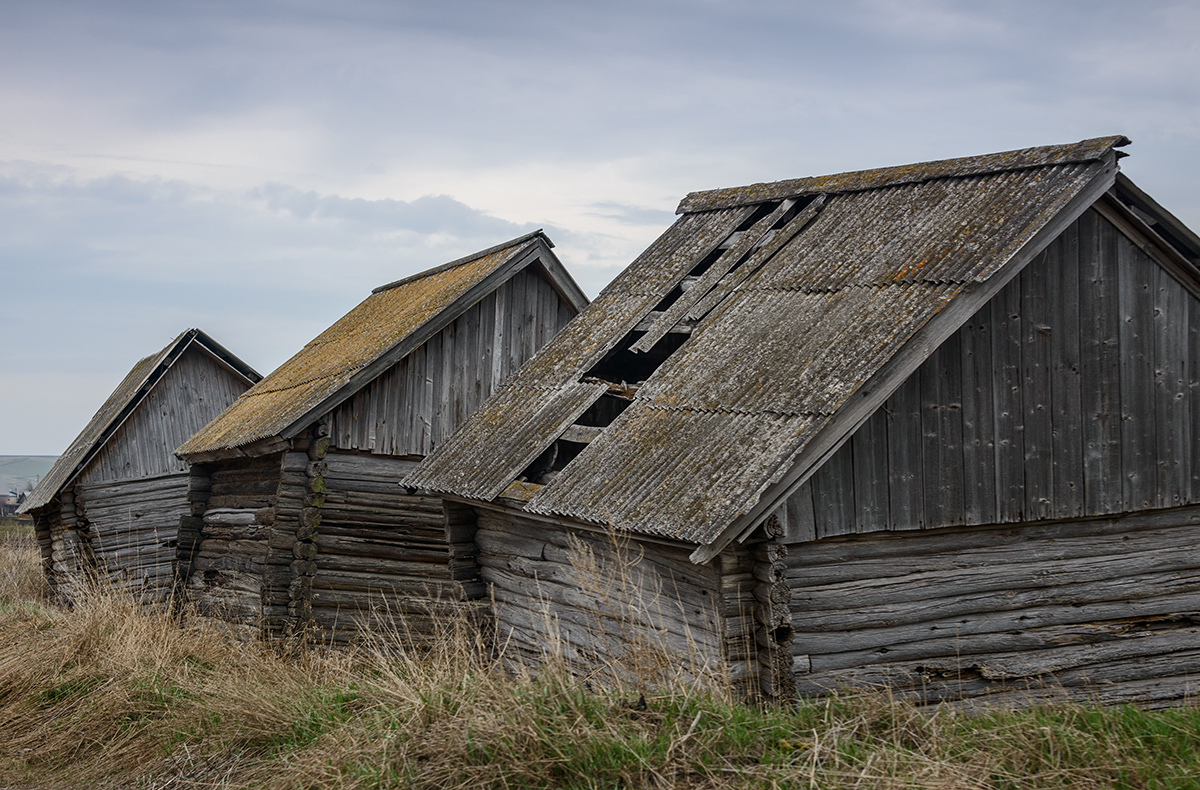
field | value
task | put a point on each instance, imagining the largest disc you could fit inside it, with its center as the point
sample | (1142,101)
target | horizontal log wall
(46,521)
(600,604)
(1103,609)
(63,541)
(1074,392)
(133,531)
(385,559)
(418,403)
(191,393)
(229,566)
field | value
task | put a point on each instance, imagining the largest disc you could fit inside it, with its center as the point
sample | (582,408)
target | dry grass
(110,695)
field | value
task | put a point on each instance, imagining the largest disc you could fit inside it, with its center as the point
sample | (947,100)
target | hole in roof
(620,366)
(552,461)
(712,257)
(623,366)
(763,210)
(602,413)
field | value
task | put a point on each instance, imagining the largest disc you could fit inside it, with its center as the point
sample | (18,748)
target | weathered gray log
(939,543)
(564,601)
(1187,603)
(349,562)
(991,578)
(230,517)
(962,550)
(1127,591)
(648,584)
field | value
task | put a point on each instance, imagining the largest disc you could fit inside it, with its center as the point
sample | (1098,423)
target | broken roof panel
(377,327)
(646,462)
(781,344)
(518,425)
(666,261)
(792,352)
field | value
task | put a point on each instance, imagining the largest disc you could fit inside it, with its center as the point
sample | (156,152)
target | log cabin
(302,526)
(111,504)
(934,428)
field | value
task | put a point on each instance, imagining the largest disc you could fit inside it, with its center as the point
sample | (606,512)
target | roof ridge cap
(1088,150)
(465,259)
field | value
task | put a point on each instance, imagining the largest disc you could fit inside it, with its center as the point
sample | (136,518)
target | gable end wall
(194,390)
(1075,392)
(415,405)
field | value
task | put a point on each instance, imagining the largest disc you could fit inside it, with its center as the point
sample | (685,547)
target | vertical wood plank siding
(417,404)
(191,393)
(1075,392)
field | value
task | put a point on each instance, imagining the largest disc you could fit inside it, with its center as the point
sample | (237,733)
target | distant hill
(18,470)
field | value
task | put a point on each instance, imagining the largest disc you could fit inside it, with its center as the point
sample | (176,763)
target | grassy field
(108,695)
(14,528)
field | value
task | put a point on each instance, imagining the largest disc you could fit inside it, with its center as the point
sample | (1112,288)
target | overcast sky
(255,168)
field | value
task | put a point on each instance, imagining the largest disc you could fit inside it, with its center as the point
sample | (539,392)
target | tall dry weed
(112,694)
(628,615)
(21,576)
(106,684)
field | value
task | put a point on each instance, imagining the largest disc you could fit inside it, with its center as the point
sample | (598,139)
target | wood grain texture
(1105,605)
(194,390)
(418,402)
(1072,393)
(597,600)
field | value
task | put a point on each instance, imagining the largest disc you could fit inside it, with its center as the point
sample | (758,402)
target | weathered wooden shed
(111,503)
(933,427)
(294,486)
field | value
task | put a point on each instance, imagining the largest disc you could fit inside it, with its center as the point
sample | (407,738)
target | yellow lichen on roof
(383,320)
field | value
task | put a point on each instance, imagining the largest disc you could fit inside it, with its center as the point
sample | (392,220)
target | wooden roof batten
(530,249)
(987,218)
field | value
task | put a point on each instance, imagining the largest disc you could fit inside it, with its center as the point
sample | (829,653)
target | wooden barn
(112,502)
(294,486)
(933,427)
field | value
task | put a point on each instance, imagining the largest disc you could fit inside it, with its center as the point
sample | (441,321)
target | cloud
(427,215)
(632,215)
(97,270)
(255,169)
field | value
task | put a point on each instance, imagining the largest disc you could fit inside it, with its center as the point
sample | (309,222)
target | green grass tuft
(110,694)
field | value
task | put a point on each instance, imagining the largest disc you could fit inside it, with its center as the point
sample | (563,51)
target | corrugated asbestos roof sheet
(725,416)
(384,319)
(139,380)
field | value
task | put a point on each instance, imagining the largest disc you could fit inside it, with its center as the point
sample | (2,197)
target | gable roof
(390,323)
(829,292)
(123,400)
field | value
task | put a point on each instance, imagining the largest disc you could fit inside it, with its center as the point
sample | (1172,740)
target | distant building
(9,503)
(113,501)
